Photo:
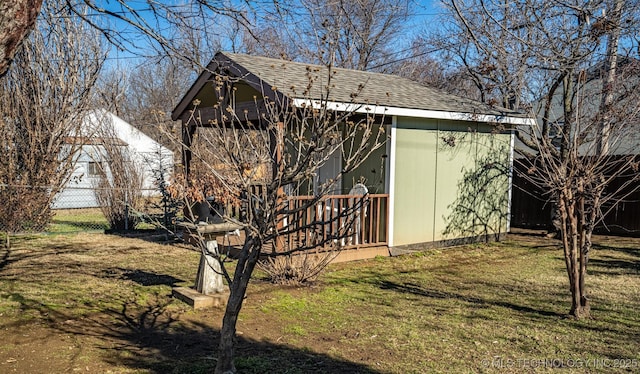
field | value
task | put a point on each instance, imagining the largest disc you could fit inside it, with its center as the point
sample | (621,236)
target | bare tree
(493,42)
(421,66)
(356,34)
(42,104)
(585,182)
(350,34)
(155,89)
(254,162)
(112,90)
(145,94)
(124,24)
(559,59)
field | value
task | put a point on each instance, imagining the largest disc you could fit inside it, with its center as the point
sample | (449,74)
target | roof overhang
(416,113)
(223,65)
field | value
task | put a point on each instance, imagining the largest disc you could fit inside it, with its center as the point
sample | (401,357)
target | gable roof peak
(304,81)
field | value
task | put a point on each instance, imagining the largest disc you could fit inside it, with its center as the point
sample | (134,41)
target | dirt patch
(102,303)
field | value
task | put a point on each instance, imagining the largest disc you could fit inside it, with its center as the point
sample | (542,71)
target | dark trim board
(418,247)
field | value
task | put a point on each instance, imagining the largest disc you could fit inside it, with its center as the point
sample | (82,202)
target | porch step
(361,254)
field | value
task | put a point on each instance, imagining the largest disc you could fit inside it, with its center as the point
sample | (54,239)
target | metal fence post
(126,211)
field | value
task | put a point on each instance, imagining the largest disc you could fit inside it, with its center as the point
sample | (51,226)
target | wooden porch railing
(345,220)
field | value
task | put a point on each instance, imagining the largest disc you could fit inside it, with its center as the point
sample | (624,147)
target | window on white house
(94,169)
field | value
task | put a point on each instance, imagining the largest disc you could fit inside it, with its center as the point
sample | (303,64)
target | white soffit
(416,113)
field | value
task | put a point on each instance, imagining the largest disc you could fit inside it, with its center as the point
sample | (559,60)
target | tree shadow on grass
(76,226)
(141,277)
(624,329)
(420,291)
(633,252)
(17,253)
(152,235)
(154,338)
(613,267)
(5,254)
(624,263)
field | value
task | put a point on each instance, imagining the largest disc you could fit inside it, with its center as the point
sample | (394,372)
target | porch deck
(233,244)
(358,228)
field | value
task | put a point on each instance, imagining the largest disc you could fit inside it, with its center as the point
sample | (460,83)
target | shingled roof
(346,86)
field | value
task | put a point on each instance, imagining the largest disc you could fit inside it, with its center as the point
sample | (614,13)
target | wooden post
(188,130)
(277,150)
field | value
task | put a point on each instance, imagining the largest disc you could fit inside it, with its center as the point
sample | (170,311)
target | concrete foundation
(199,301)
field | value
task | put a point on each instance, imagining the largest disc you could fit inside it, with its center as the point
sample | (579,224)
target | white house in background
(149,155)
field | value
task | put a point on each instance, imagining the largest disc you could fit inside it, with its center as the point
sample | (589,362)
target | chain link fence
(24,209)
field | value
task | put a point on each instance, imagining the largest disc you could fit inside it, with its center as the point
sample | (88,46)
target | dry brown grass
(99,303)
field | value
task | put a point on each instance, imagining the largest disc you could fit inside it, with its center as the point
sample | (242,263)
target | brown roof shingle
(291,78)
(347,86)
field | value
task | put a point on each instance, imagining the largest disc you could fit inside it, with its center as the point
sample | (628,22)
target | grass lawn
(66,221)
(99,303)
(75,220)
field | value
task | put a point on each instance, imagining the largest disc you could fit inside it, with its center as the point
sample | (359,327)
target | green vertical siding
(456,150)
(451,180)
(492,186)
(372,171)
(415,181)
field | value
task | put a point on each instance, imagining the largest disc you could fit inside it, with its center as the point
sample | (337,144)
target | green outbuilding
(443,176)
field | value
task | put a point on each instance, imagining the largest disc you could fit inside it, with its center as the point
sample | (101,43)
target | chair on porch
(360,213)
(333,223)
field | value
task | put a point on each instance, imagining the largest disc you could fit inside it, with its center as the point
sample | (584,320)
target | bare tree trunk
(580,249)
(575,243)
(17,18)
(613,39)
(582,308)
(238,289)
(573,253)
(228,331)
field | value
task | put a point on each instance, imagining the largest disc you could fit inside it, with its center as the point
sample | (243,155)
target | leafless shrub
(296,269)
(118,191)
